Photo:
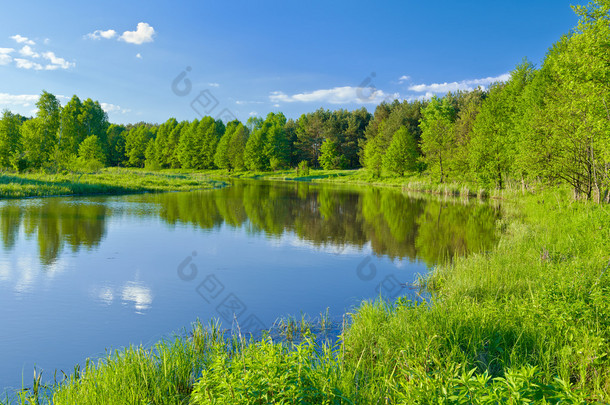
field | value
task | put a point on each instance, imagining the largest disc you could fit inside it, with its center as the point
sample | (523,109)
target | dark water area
(83,275)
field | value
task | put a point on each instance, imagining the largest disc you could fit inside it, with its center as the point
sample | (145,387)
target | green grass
(528,322)
(107,181)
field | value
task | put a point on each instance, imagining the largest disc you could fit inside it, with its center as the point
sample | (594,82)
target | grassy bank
(107,181)
(526,322)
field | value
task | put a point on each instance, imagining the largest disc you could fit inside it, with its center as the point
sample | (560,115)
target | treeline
(549,124)
(79,136)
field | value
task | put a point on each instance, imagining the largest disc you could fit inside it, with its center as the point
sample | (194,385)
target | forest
(547,124)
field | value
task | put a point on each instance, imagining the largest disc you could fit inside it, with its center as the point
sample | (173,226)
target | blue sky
(250,58)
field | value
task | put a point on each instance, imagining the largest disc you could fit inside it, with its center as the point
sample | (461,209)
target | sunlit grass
(107,181)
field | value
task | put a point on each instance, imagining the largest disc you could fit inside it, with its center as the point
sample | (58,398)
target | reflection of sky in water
(122,287)
(138,295)
(132,294)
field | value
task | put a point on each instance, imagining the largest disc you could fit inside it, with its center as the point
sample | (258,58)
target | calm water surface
(79,276)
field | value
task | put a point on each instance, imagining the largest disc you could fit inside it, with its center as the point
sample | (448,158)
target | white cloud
(240,102)
(99,34)
(214,84)
(276,105)
(112,108)
(56,61)
(23,100)
(27,64)
(23,40)
(5,58)
(143,33)
(28,51)
(403,78)
(337,95)
(253,113)
(467,85)
(139,55)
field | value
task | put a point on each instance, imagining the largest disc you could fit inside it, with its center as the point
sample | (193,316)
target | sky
(152,60)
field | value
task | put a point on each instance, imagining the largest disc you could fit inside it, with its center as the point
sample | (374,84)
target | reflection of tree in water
(10,220)
(449,229)
(395,225)
(54,222)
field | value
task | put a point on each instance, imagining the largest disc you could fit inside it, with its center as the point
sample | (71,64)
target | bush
(303,168)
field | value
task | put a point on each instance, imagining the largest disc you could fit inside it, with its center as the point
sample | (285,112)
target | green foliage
(402,154)
(254,155)
(152,156)
(438,136)
(165,144)
(106,181)
(343,128)
(10,137)
(197,144)
(277,146)
(267,372)
(303,168)
(221,158)
(494,133)
(330,157)
(237,147)
(116,136)
(268,146)
(90,154)
(136,143)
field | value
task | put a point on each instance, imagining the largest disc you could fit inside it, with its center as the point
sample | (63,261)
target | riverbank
(127,181)
(527,320)
(107,181)
(414,182)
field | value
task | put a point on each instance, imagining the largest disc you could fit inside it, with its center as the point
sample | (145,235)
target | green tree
(277,146)
(221,158)
(151,155)
(164,143)
(438,137)
(310,135)
(91,156)
(197,145)
(330,157)
(136,143)
(402,154)
(10,137)
(372,156)
(71,131)
(40,136)
(494,133)
(116,138)
(237,147)
(255,158)
(468,106)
